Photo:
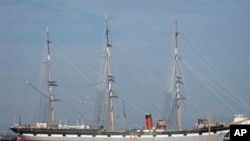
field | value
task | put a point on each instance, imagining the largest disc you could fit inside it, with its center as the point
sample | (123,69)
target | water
(7,136)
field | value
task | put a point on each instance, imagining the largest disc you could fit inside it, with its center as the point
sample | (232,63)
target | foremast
(177,79)
(50,83)
(110,79)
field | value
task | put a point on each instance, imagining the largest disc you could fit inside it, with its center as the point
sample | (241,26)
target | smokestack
(149,121)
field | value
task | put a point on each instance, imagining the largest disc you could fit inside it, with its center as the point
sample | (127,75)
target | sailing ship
(205,129)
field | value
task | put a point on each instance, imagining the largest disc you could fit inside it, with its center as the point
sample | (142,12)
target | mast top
(176,28)
(106,17)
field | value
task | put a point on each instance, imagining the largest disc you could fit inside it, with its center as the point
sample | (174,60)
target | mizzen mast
(110,79)
(177,79)
(51,83)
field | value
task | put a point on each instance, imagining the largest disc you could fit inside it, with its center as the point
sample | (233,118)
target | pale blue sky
(141,35)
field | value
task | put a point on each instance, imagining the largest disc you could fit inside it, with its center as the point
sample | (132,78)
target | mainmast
(51,83)
(177,79)
(110,79)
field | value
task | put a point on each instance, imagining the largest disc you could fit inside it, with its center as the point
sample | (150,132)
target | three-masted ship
(204,130)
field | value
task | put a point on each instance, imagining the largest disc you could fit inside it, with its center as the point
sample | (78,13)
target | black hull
(80,132)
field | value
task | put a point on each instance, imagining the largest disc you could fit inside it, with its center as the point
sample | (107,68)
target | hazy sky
(214,39)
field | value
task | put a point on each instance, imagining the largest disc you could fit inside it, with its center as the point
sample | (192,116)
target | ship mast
(110,79)
(51,83)
(177,79)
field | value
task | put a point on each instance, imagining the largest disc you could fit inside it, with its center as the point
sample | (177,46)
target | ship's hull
(192,136)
